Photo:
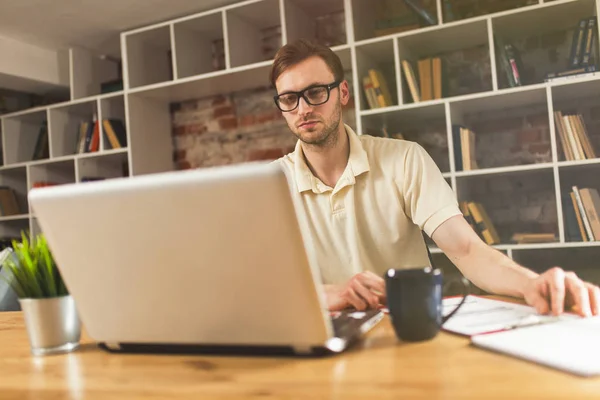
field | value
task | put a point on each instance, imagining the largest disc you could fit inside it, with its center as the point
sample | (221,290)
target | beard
(324,133)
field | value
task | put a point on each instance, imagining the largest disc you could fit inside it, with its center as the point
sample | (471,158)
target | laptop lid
(207,256)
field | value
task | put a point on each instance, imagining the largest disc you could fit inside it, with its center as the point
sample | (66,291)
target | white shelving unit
(172,61)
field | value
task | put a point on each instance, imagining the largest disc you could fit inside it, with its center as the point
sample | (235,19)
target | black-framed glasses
(314,95)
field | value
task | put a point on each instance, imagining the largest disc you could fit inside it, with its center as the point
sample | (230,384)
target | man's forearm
(492,271)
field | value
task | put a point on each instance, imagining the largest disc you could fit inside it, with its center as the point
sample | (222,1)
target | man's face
(316,125)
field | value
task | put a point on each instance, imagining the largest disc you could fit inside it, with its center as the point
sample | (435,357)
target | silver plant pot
(53,325)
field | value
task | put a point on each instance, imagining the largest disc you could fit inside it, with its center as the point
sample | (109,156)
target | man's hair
(298,51)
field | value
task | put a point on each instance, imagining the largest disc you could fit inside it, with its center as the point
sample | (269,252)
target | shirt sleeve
(428,198)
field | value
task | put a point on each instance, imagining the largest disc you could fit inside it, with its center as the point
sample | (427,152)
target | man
(365,200)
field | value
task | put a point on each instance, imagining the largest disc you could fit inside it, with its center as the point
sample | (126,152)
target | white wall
(31,68)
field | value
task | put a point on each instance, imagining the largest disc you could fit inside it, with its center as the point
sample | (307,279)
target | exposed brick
(499,125)
(247,120)
(219,100)
(265,154)
(195,128)
(539,148)
(228,123)
(528,136)
(223,111)
(265,117)
(183,165)
(538,120)
(179,155)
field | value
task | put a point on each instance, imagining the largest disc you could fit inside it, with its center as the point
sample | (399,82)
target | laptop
(209,260)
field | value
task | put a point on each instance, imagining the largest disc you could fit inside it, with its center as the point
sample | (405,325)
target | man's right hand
(363,291)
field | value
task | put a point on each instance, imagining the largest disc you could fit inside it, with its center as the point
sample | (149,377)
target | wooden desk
(379,368)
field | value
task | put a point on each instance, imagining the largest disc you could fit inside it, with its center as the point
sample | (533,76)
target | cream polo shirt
(372,219)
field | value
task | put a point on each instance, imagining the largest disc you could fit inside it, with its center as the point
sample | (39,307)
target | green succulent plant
(32,269)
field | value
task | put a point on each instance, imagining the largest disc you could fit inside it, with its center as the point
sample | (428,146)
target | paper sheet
(481,315)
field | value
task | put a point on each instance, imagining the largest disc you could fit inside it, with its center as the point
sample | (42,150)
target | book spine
(589,41)
(586,222)
(421,11)
(587,71)
(512,60)
(577,44)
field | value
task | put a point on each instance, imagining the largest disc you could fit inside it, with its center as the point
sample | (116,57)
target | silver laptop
(210,260)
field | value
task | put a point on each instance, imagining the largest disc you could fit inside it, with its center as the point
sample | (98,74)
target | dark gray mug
(414,298)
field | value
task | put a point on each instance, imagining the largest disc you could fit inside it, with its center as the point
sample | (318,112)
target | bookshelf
(521,182)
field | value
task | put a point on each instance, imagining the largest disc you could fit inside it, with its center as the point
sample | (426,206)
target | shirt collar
(358,163)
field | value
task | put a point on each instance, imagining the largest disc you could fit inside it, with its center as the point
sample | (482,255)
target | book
(425,79)
(584,216)
(413,86)
(589,44)
(591,212)
(369,92)
(543,342)
(418,8)
(577,42)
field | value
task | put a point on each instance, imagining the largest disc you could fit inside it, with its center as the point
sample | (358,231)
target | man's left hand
(556,291)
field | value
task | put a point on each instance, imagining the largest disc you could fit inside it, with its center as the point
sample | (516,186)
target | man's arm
(496,273)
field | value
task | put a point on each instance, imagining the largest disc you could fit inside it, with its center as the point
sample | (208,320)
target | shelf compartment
(35,227)
(253,32)
(69,126)
(149,56)
(583,176)
(579,100)
(26,137)
(425,125)
(15,180)
(466,9)
(516,202)
(54,172)
(199,45)
(105,166)
(12,229)
(585,264)
(504,130)
(375,62)
(464,62)
(320,20)
(538,48)
(113,109)
(375,18)
(93,75)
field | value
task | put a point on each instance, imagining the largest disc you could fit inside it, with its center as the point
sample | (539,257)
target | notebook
(483,315)
(567,345)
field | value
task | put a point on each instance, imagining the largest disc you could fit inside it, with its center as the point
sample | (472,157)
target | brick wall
(513,136)
(461,9)
(233,128)
(520,202)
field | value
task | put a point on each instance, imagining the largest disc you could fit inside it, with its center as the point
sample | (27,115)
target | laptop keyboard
(348,322)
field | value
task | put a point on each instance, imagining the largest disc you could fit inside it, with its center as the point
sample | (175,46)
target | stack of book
(582,55)
(8,202)
(524,238)
(88,138)
(573,136)
(464,148)
(42,149)
(376,89)
(476,215)
(427,84)
(581,209)
(509,60)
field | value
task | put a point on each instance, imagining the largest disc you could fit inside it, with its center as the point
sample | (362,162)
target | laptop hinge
(113,345)
(302,349)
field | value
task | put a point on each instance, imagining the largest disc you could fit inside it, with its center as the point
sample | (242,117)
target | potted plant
(52,322)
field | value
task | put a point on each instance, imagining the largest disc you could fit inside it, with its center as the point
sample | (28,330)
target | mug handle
(466,286)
